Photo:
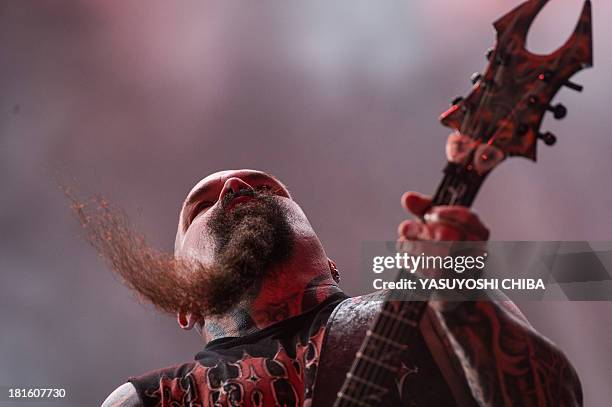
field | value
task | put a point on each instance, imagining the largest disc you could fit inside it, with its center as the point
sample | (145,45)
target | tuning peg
(558,110)
(456,100)
(489,53)
(547,76)
(573,86)
(548,138)
(476,76)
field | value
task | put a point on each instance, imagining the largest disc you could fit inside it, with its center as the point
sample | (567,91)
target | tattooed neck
(269,308)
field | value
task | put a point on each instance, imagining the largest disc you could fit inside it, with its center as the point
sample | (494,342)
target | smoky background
(338,98)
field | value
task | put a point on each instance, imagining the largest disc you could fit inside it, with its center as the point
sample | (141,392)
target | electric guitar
(500,118)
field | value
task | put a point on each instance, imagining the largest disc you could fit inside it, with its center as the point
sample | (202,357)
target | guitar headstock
(503,113)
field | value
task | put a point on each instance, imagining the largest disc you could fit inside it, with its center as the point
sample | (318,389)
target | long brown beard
(251,238)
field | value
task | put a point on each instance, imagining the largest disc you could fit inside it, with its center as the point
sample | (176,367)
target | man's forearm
(505,361)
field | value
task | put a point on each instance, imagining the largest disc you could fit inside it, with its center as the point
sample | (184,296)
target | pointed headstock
(503,113)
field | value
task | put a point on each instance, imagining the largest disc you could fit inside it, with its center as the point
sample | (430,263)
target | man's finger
(465,222)
(416,203)
(442,232)
(410,229)
(458,214)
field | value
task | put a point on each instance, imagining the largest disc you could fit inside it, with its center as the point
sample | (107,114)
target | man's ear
(334,270)
(186,320)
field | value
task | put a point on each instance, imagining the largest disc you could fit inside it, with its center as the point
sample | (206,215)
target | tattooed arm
(505,361)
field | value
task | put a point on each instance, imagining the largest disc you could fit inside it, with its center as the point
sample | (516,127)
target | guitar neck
(397,324)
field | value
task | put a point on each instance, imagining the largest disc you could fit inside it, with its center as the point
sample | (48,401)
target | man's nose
(233,185)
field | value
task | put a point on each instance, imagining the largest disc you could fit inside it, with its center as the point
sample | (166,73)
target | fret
(365,382)
(399,318)
(390,368)
(458,186)
(350,399)
(408,309)
(388,341)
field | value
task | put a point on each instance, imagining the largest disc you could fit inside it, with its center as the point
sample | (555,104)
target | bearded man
(251,276)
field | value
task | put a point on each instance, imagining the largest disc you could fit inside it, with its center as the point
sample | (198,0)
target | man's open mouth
(239,199)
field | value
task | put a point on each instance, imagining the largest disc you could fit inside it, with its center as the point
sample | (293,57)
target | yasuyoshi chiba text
(461,284)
